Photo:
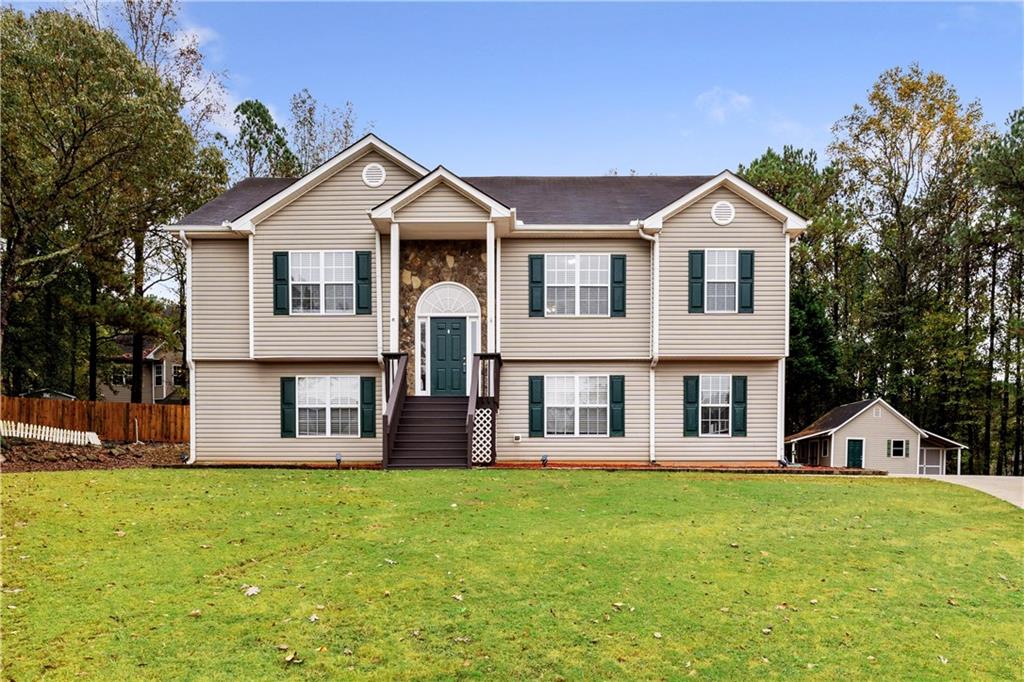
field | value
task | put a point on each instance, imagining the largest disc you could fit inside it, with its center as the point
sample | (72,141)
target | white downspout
(188,350)
(655,305)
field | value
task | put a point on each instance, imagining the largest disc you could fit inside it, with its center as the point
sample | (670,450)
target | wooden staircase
(426,432)
(431,433)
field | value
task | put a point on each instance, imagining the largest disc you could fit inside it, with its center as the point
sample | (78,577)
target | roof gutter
(655,305)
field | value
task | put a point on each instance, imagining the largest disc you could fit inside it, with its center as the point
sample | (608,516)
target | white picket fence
(48,433)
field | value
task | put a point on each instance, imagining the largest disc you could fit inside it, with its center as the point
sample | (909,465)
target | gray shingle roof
(586,200)
(837,416)
(237,201)
(564,200)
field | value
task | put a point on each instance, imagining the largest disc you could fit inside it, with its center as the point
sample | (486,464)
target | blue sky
(553,89)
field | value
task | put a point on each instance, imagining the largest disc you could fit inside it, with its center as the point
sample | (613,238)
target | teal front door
(447,356)
(855,453)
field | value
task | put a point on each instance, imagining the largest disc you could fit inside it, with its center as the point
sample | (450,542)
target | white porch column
(393,293)
(958,461)
(490,287)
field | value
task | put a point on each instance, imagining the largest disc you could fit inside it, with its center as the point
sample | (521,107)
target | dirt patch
(31,455)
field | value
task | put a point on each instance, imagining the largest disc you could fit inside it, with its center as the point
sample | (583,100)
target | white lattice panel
(483,428)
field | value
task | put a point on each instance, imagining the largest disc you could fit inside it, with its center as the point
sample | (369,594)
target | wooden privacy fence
(111,421)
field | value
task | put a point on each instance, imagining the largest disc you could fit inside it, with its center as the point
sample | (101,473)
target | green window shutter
(618,306)
(537,286)
(617,405)
(745,304)
(363,297)
(287,407)
(739,406)
(691,405)
(367,407)
(696,268)
(280,282)
(536,407)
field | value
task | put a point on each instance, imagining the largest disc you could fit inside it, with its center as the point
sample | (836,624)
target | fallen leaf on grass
(196,613)
(617,605)
(314,618)
(120,533)
(952,602)
(283,647)
(390,562)
(766,631)
(457,597)
(292,658)
(873,589)
(945,661)
(252,591)
(814,601)
(734,545)
(657,635)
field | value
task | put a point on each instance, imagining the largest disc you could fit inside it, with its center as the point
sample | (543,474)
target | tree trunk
(1018,410)
(1004,409)
(138,293)
(94,359)
(989,377)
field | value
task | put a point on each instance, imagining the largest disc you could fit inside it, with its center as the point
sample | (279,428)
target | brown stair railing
(484,391)
(395,383)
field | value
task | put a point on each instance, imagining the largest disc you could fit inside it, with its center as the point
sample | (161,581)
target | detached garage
(872,434)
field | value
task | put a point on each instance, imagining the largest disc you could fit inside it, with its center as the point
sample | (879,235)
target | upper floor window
(722,276)
(158,374)
(327,405)
(577,284)
(715,404)
(322,282)
(121,376)
(576,405)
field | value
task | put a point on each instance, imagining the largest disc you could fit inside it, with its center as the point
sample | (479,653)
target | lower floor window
(899,448)
(327,406)
(576,405)
(715,404)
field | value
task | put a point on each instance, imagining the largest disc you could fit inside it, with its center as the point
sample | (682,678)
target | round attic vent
(374,175)
(723,212)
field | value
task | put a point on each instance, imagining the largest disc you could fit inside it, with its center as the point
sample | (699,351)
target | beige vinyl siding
(220,298)
(876,431)
(761,333)
(441,203)
(331,216)
(513,417)
(761,441)
(238,414)
(583,338)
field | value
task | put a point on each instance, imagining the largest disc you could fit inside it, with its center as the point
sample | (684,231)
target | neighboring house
(48,393)
(164,375)
(598,319)
(871,434)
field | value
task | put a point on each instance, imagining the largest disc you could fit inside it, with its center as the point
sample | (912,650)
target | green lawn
(553,574)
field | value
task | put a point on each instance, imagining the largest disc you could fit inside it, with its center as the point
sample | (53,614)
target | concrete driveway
(1009,488)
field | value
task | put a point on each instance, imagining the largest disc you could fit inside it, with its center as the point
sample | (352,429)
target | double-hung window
(722,275)
(158,374)
(322,282)
(715,404)
(577,284)
(898,448)
(327,406)
(576,405)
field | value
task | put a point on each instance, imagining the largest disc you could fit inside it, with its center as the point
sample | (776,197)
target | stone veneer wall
(426,262)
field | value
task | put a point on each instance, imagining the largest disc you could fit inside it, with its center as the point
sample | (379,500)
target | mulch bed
(19,454)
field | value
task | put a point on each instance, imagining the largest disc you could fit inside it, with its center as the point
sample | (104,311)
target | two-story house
(349,313)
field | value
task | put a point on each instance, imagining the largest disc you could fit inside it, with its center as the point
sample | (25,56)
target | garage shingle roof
(834,418)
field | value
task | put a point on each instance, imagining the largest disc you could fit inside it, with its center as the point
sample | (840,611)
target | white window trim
(576,286)
(736,282)
(863,452)
(323,301)
(158,365)
(174,375)
(327,405)
(892,451)
(576,406)
(700,407)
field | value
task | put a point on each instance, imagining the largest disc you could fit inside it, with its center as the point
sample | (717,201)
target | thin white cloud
(719,103)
